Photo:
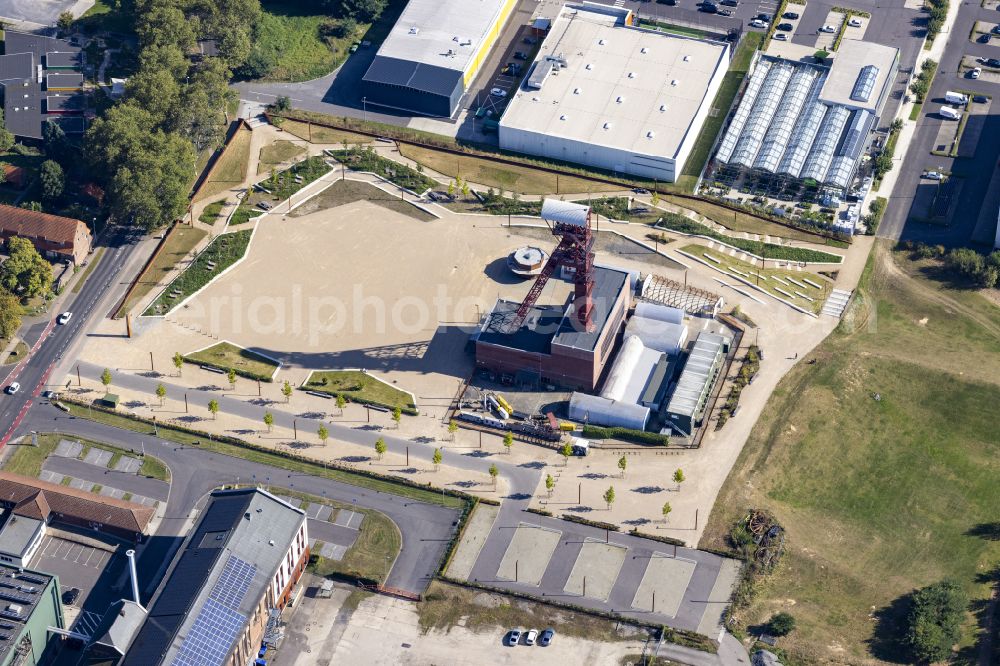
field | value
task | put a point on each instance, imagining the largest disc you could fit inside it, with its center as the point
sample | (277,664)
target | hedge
(540,512)
(626,434)
(653,537)
(350,397)
(225,368)
(463,522)
(590,523)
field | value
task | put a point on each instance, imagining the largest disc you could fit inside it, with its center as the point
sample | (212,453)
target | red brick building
(56,238)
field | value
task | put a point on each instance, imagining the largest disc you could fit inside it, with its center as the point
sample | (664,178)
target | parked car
(996,30)
(791,16)
(709,8)
(785,27)
(513,637)
(12,388)
(70,596)
(757,23)
(529,638)
(974,73)
(498,92)
(764,17)
(48,395)
(854,22)
(355,46)
(983,39)
(993,62)
(933,175)
(64,318)
(672,3)
(520,55)
(730,3)
(546,637)
(827,28)
(780,36)
(980,99)
(530,40)
(725,12)
(640,190)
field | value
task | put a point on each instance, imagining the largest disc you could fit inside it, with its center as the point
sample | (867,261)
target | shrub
(626,435)
(781,624)
(935,621)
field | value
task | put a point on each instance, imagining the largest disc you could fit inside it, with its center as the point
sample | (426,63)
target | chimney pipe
(130,554)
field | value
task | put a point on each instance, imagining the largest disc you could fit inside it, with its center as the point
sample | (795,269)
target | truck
(953,97)
(949,113)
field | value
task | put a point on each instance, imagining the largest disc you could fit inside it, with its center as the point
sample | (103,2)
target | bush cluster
(366,159)
(965,264)
(751,364)
(626,435)
(922,82)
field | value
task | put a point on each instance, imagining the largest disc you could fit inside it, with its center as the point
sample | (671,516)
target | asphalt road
(976,172)
(52,340)
(425,528)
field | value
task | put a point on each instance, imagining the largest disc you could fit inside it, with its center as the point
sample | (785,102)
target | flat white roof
(443,33)
(852,56)
(621,87)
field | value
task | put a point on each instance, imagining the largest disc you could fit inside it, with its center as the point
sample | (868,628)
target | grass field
(211,211)
(358,386)
(771,284)
(744,222)
(375,550)
(179,243)
(347,191)
(16,354)
(277,153)
(879,497)
(484,171)
(220,254)
(738,69)
(27,460)
(315,134)
(226,355)
(266,458)
(230,169)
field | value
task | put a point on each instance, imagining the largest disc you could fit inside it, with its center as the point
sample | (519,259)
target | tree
(179,363)
(362,11)
(622,464)
(161,393)
(341,401)
(781,624)
(380,447)
(451,188)
(666,511)
(452,429)
(6,138)
(566,451)
(65,21)
(550,483)
(10,314)
(654,198)
(106,379)
(231,376)
(54,141)
(286,390)
(508,441)
(493,473)
(213,407)
(609,496)
(935,620)
(52,179)
(437,459)
(397,416)
(323,433)
(25,273)
(679,477)
(269,420)
(281,104)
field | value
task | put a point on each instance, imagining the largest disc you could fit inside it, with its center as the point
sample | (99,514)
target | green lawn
(366,159)
(178,244)
(225,355)
(27,460)
(743,221)
(211,211)
(316,134)
(878,497)
(278,153)
(17,353)
(223,252)
(103,17)
(360,387)
(281,186)
(738,69)
(267,458)
(347,191)
(230,169)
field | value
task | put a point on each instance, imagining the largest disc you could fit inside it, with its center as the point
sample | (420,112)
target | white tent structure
(659,335)
(585,408)
(623,369)
(659,312)
(565,212)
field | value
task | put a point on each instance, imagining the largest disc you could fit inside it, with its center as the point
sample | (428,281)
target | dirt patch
(348,191)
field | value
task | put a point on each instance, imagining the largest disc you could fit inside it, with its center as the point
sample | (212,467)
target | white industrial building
(606,94)
(804,120)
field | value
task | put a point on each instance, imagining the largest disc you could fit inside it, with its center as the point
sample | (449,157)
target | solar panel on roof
(865,83)
(212,635)
(234,582)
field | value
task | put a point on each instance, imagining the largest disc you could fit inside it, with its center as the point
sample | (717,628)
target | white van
(955,98)
(949,113)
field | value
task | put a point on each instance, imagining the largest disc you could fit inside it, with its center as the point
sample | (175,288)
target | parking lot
(42,12)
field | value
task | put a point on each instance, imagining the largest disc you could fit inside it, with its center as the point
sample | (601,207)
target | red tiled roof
(35,498)
(33,224)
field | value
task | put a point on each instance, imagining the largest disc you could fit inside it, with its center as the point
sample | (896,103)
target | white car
(854,22)
(974,74)
(757,23)
(933,175)
(12,388)
(64,317)
(828,28)
(529,638)
(780,36)
(498,92)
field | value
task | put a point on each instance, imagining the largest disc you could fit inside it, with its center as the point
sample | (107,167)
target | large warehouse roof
(603,83)
(441,33)
(856,60)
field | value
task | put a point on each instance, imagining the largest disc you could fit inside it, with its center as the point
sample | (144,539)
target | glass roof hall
(780,132)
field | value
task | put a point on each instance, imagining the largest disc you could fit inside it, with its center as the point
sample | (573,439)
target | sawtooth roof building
(29,605)
(433,53)
(604,93)
(42,81)
(810,121)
